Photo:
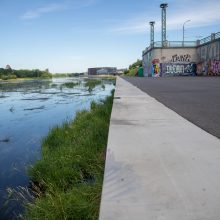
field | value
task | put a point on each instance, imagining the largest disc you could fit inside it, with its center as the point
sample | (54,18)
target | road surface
(195,98)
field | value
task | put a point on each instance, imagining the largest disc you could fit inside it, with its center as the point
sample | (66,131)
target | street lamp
(184,30)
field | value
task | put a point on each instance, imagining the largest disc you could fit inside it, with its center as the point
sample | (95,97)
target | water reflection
(28,110)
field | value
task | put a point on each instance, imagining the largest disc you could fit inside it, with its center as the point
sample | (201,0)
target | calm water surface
(28,110)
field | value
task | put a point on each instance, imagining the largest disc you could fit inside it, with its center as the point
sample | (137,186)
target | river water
(28,110)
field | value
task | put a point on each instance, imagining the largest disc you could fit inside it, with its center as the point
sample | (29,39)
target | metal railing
(181,44)
(167,44)
(205,40)
(217,35)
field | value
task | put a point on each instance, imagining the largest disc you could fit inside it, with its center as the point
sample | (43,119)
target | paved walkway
(159,166)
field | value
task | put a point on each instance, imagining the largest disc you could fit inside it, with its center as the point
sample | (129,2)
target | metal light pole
(152,23)
(164,24)
(184,30)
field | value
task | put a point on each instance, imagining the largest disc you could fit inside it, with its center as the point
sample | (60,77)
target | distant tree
(133,68)
(13,74)
(136,64)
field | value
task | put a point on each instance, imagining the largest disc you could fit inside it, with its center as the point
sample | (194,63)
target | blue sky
(72,35)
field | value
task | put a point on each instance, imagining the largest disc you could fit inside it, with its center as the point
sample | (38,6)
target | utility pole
(163,21)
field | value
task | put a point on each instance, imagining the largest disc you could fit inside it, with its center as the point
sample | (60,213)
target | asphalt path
(195,98)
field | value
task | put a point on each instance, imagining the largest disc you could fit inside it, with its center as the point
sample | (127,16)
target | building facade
(102,71)
(183,58)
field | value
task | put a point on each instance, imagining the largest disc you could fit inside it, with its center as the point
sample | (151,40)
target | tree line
(9,73)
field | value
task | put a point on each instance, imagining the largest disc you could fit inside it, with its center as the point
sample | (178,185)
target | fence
(205,40)
(167,44)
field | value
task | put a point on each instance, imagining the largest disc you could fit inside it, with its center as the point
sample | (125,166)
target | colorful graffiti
(203,68)
(178,69)
(215,68)
(181,58)
(179,65)
(156,68)
(210,68)
(209,59)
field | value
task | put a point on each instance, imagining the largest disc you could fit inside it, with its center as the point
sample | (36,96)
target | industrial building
(102,71)
(181,58)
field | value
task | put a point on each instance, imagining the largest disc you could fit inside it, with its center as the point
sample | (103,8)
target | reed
(68,178)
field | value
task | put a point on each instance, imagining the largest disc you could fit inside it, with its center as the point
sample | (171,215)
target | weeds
(71,85)
(69,176)
(92,83)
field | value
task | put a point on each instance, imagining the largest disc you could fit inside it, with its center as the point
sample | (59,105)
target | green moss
(69,176)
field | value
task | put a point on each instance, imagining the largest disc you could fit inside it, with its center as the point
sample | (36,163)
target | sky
(73,35)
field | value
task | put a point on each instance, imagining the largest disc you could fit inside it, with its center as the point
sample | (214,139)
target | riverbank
(68,178)
(23,79)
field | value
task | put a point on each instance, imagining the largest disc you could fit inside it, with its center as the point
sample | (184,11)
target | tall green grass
(71,85)
(92,83)
(68,179)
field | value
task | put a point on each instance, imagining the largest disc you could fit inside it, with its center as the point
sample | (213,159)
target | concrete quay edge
(159,166)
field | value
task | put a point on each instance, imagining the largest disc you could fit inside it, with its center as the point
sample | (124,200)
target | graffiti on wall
(178,65)
(210,68)
(156,68)
(180,58)
(209,59)
(203,68)
(215,68)
(178,69)
(147,64)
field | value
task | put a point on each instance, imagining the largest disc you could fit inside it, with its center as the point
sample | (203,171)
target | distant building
(121,71)
(102,71)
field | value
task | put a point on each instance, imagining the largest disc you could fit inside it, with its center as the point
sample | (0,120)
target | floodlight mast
(163,21)
(152,23)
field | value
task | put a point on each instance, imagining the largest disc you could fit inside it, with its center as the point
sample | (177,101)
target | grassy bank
(68,179)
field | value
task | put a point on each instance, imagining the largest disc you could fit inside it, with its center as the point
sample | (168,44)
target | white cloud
(201,13)
(31,14)
(38,12)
